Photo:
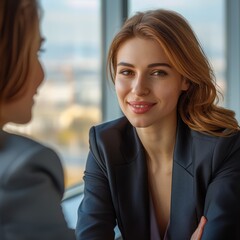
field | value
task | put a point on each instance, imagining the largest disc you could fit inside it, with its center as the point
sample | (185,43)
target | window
(69,101)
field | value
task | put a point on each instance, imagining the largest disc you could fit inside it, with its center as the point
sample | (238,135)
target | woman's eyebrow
(125,64)
(149,66)
(159,65)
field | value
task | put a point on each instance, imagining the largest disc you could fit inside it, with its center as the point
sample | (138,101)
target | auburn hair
(18,22)
(198,105)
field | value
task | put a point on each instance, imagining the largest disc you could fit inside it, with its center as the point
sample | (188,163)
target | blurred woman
(170,168)
(32,182)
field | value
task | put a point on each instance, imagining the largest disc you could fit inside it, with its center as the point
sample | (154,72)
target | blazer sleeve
(222,203)
(30,199)
(96,216)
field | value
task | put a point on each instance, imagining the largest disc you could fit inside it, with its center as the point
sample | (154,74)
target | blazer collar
(132,188)
(183,145)
(182,203)
(132,148)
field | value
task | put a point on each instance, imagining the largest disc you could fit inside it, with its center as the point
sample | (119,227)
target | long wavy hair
(198,105)
(18,23)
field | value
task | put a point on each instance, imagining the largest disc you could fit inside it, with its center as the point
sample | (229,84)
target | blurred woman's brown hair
(16,37)
(198,105)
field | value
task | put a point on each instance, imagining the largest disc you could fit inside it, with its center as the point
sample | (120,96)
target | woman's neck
(159,142)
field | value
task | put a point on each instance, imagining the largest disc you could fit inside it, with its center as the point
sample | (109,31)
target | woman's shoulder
(22,145)
(116,124)
(22,156)
(202,142)
(25,150)
(214,138)
(114,129)
(18,142)
(222,147)
(113,139)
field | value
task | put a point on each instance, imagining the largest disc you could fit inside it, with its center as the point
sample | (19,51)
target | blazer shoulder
(231,141)
(110,142)
(112,132)
(17,142)
(116,125)
(223,150)
(22,156)
(203,136)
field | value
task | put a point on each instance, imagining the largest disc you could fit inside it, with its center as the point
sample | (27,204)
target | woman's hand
(197,235)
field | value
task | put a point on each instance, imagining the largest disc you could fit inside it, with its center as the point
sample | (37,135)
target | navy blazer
(205,181)
(31,190)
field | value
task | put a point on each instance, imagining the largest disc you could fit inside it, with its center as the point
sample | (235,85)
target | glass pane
(70,99)
(207,19)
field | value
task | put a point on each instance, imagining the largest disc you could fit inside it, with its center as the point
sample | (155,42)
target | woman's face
(20,110)
(147,85)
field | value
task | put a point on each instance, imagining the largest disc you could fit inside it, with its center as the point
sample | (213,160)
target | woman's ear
(185,84)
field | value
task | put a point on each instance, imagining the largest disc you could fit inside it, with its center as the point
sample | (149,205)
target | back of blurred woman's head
(18,25)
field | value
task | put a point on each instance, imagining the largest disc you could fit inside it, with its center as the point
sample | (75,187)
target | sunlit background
(71,99)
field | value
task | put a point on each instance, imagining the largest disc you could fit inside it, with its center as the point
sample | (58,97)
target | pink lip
(140,107)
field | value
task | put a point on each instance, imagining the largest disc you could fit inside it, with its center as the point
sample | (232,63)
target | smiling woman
(162,171)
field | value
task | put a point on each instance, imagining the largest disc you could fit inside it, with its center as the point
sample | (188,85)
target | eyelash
(126,73)
(160,73)
(157,73)
(41,50)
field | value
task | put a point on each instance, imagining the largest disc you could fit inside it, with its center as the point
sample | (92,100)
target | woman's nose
(140,86)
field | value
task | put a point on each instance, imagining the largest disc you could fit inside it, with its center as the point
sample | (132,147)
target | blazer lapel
(132,184)
(183,219)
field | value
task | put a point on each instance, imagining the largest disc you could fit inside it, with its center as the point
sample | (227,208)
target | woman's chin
(139,124)
(24,119)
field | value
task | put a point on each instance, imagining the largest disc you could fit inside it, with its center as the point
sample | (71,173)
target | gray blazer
(31,189)
(205,181)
